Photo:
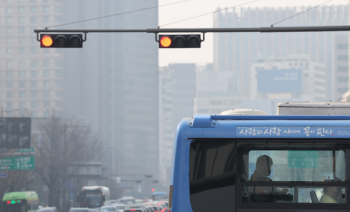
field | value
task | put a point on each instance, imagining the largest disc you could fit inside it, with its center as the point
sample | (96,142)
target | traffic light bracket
(157,38)
(38,36)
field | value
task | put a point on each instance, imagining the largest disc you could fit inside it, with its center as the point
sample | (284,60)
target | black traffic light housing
(61,40)
(180,41)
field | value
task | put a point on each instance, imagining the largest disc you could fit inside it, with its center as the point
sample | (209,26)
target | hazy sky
(173,13)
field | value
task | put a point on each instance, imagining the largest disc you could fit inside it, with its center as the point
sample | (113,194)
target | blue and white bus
(261,163)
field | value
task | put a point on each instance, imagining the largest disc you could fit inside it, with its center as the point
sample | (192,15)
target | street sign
(15,132)
(3,174)
(26,150)
(17,163)
(302,159)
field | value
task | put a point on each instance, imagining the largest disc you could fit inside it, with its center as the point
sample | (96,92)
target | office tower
(236,51)
(113,82)
(30,76)
(177,90)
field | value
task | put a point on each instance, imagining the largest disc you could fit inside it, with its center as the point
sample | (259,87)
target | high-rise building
(30,76)
(341,67)
(294,77)
(236,51)
(113,82)
(177,90)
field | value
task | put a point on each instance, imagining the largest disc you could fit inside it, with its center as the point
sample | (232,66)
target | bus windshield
(91,199)
(266,172)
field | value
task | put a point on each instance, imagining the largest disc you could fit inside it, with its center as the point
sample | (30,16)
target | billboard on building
(279,80)
(214,81)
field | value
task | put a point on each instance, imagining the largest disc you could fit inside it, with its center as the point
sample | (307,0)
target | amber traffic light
(180,41)
(61,40)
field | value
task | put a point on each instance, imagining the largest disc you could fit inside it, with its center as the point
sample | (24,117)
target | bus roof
(28,195)
(265,126)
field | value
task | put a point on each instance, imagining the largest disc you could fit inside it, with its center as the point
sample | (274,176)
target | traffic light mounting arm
(38,36)
(157,38)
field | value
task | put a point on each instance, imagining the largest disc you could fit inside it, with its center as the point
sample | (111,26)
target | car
(79,210)
(110,208)
(48,209)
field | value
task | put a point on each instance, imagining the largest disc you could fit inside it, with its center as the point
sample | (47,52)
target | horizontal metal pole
(204,30)
(305,29)
(89,30)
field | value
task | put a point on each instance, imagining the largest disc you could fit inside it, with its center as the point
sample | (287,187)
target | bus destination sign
(293,132)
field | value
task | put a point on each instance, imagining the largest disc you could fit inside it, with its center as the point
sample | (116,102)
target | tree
(63,142)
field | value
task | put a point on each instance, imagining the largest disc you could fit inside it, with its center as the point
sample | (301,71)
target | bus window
(297,165)
(265,168)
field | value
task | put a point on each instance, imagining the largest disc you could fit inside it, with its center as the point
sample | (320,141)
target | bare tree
(63,142)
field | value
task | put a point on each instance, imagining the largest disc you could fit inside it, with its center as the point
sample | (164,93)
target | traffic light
(180,41)
(61,41)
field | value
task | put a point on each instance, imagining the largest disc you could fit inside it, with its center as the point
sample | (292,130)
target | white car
(79,210)
(48,209)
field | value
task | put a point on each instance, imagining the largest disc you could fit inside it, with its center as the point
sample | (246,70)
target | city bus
(25,201)
(93,197)
(260,163)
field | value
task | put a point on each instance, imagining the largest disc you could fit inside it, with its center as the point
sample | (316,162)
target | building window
(20,1)
(9,84)
(8,40)
(58,73)
(21,20)
(343,46)
(46,94)
(9,94)
(9,105)
(33,9)
(58,63)
(58,84)
(22,94)
(8,30)
(9,64)
(8,1)
(21,50)
(58,104)
(57,19)
(21,40)
(9,51)
(342,79)
(21,105)
(34,74)
(8,20)
(21,84)
(21,64)
(9,74)
(21,30)
(46,74)
(33,40)
(34,84)
(34,94)
(342,90)
(46,9)
(8,10)
(57,9)
(21,10)
(58,94)
(46,19)
(34,104)
(46,63)
(33,50)
(33,64)
(343,68)
(33,20)
(46,84)
(343,57)
(22,74)
(46,103)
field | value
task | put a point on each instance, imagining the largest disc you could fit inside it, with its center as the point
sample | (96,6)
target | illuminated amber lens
(165,41)
(46,41)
